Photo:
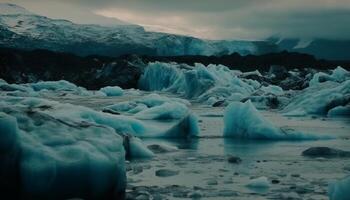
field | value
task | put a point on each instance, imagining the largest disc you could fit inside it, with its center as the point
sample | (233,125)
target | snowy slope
(12,9)
(20,28)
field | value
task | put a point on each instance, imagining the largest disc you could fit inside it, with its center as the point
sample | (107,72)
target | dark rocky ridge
(94,72)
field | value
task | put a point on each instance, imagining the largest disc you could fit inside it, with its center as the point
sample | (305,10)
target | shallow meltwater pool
(213,167)
(201,168)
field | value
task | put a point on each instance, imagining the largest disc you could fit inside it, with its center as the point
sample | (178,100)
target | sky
(210,19)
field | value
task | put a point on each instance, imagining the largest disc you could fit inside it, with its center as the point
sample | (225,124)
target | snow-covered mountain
(23,29)
(320,48)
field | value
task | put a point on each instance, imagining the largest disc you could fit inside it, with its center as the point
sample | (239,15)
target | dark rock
(110,111)
(234,159)
(295,175)
(325,152)
(219,103)
(166,172)
(280,72)
(275,181)
(158,148)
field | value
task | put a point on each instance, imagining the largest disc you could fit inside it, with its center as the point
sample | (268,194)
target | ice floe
(319,99)
(243,121)
(112,91)
(65,158)
(261,182)
(339,74)
(203,83)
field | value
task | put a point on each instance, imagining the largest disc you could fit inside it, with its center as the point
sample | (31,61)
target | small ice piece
(272,89)
(154,99)
(261,182)
(339,111)
(61,85)
(135,148)
(243,121)
(165,111)
(112,91)
(339,190)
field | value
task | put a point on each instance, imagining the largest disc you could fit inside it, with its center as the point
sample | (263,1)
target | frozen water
(54,85)
(339,74)
(339,111)
(153,106)
(243,121)
(319,99)
(339,190)
(273,89)
(261,182)
(65,157)
(137,149)
(112,91)
(72,127)
(164,112)
(199,82)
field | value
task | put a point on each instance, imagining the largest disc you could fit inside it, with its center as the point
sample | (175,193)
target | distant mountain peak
(13,9)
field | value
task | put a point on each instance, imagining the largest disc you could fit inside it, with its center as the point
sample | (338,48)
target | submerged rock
(219,103)
(234,159)
(161,148)
(325,152)
(166,172)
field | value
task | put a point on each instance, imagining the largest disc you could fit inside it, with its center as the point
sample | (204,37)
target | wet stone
(275,181)
(325,152)
(166,173)
(234,159)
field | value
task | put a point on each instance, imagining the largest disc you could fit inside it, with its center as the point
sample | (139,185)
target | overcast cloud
(214,19)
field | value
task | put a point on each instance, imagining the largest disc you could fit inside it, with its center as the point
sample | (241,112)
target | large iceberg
(319,99)
(243,121)
(170,114)
(73,151)
(214,82)
(66,158)
(339,74)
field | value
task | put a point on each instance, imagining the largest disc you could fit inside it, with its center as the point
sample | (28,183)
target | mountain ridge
(31,31)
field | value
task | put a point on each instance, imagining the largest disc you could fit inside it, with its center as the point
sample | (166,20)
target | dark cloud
(228,19)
